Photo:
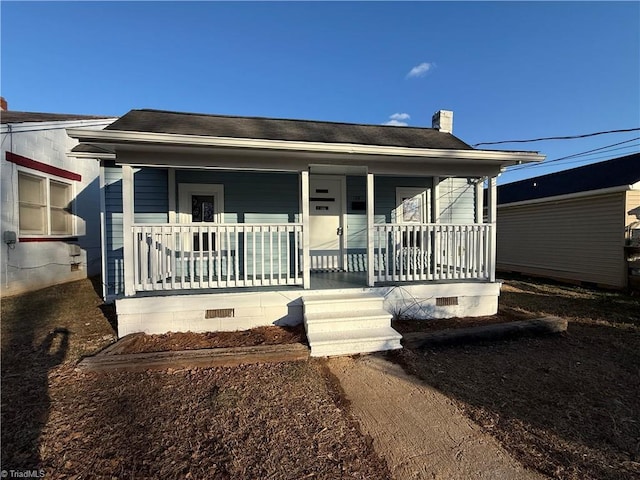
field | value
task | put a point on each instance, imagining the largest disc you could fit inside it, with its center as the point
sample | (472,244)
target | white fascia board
(92,156)
(127,137)
(56,124)
(571,196)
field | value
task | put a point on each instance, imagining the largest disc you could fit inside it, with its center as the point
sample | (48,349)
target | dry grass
(568,405)
(275,421)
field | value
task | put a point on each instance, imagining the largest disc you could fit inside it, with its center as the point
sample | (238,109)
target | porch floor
(319,281)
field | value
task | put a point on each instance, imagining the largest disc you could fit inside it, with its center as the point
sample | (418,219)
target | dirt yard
(568,405)
(565,405)
(276,421)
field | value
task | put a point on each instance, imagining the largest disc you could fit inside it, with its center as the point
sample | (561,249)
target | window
(44,206)
(412,205)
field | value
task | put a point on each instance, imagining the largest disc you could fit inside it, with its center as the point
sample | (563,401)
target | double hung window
(44,206)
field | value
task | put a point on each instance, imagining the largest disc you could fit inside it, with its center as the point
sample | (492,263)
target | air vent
(219,313)
(446,301)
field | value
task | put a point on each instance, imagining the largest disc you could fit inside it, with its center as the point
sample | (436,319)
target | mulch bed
(504,315)
(174,341)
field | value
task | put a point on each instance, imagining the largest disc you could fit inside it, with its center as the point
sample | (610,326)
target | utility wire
(572,161)
(580,154)
(558,138)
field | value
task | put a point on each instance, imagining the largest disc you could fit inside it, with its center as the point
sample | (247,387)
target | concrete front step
(341,303)
(343,321)
(348,324)
(325,344)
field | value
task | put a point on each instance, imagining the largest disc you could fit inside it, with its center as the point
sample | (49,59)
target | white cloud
(420,70)
(397,120)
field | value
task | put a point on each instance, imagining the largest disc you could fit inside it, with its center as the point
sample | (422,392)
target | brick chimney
(442,121)
(3,104)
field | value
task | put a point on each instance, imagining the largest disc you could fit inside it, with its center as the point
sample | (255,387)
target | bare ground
(567,405)
(418,430)
(275,421)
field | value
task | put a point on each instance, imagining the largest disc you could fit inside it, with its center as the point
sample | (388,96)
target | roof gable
(158,121)
(596,176)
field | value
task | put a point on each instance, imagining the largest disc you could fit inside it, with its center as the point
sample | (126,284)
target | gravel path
(418,430)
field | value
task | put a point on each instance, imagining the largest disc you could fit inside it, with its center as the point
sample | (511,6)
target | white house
(50,202)
(223,223)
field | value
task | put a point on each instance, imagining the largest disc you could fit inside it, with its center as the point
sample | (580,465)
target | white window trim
(48,179)
(185,190)
(404,192)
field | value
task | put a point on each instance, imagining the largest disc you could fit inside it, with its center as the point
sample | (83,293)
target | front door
(326,222)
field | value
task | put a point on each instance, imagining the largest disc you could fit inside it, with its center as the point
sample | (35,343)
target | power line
(608,157)
(579,154)
(558,138)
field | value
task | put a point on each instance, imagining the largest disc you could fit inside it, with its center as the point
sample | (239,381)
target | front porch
(196,256)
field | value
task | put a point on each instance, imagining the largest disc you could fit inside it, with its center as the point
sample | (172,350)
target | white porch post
(171,180)
(492,219)
(304,212)
(435,200)
(370,238)
(127,230)
(479,201)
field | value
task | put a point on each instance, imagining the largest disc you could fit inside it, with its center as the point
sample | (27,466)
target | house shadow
(569,395)
(27,359)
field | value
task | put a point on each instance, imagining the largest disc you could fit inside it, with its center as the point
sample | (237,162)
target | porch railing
(431,251)
(191,256)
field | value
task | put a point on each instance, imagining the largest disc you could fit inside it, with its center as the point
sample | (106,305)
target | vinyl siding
(457,205)
(254,197)
(578,239)
(457,200)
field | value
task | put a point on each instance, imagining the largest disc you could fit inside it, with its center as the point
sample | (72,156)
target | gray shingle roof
(10,116)
(596,176)
(158,121)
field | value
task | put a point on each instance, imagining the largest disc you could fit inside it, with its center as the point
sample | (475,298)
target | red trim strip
(42,167)
(48,239)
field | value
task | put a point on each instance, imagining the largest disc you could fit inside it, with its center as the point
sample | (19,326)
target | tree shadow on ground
(566,404)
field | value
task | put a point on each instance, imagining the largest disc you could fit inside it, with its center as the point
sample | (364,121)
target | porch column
(171,185)
(479,201)
(435,200)
(304,213)
(492,213)
(127,230)
(370,238)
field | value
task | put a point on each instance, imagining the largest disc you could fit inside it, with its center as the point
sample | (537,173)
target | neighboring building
(50,202)
(224,223)
(572,225)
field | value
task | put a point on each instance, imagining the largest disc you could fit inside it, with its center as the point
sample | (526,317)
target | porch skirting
(208,312)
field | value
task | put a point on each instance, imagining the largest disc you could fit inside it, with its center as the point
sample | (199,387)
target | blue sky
(507,70)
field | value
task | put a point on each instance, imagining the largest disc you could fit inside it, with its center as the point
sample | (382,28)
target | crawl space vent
(219,313)
(446,301)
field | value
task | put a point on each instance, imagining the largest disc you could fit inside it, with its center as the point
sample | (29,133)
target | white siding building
(50,202)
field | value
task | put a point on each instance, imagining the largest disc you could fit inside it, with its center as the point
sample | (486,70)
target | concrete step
(341,303)
(350,342)
(346,320)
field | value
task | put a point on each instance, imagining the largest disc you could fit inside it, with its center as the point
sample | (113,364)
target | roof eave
(124,138)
